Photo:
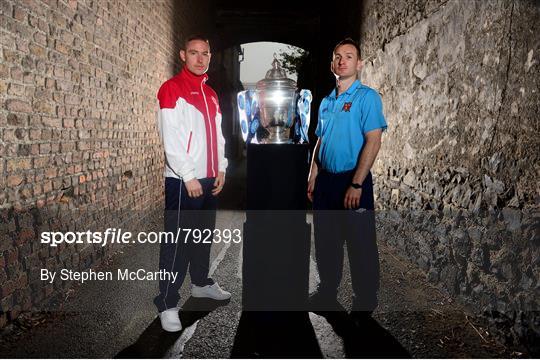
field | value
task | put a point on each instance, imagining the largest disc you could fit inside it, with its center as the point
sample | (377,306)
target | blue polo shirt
(343,123)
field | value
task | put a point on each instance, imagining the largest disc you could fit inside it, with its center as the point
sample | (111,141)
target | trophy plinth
(276,241)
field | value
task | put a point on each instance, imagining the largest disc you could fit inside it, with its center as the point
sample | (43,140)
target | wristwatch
(356,185)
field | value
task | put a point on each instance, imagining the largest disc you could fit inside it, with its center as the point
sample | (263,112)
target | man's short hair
(348,41)
(196,37)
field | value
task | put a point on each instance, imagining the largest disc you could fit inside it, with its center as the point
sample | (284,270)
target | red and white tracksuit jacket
(189,121)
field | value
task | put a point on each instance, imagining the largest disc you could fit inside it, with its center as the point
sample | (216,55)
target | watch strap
(356,185)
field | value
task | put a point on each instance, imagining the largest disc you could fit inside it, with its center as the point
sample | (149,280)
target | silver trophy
(268,113)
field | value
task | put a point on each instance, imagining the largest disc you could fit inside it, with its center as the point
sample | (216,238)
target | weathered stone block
(44,107)
(14,180)
(18,106)
(512,217)
(37,50)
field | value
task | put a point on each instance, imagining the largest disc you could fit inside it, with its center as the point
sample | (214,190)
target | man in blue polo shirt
(349,131)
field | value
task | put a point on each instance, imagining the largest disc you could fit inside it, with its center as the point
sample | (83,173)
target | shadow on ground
(275,335)
(156,343)
(291,335)
(365,340)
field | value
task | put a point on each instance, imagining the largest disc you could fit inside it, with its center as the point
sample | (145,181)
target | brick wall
(458,171)
(78,144)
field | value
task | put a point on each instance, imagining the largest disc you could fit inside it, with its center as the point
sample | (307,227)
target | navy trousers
(184,212)
(334,226)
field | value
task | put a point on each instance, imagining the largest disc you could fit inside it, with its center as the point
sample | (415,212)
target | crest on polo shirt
(347,106)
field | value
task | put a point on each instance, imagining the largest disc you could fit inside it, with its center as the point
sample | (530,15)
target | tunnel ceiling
(291,22)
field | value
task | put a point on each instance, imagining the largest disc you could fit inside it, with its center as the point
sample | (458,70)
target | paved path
(117,318)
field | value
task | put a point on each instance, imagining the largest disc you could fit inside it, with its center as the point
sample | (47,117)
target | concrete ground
(106,319)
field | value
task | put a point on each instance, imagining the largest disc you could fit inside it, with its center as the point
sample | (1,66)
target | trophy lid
(276,78)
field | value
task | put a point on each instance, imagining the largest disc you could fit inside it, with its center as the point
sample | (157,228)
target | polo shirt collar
(349,91)
(353,87)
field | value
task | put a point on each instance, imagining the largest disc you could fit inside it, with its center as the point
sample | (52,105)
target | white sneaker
(170,321)
(210,291)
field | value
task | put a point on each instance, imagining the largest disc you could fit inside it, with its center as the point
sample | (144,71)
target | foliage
(292,59)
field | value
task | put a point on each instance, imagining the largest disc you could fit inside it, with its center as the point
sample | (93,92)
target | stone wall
(79,148)
(458,172)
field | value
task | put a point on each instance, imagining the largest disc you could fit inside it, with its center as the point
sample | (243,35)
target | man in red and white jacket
(189,121)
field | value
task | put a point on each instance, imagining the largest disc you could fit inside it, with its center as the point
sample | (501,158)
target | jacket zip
(210,125)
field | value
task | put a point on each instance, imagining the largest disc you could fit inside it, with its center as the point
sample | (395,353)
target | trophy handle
(304,111)
(248,114)
(242,113)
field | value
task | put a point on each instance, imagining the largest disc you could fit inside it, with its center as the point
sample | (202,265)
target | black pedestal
(276,244)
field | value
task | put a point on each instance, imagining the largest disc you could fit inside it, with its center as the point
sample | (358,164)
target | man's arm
(367,158)
(313,171)
(176,155)
(172,132)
